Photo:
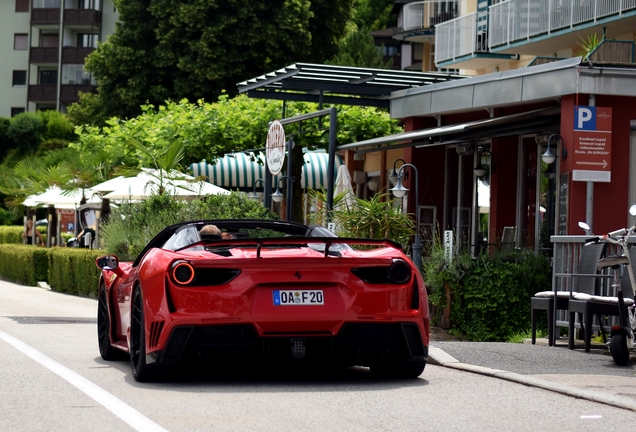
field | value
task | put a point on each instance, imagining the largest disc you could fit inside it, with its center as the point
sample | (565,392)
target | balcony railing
(427,14)
(517,20)
(86,17)
(42,93)
(457,38)
(43,55)
(45,16)
(72,55)
(70,92)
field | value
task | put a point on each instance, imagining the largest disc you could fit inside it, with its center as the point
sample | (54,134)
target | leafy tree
(358,49)
(25,131)
(374,14)
(5,142)
(193,49)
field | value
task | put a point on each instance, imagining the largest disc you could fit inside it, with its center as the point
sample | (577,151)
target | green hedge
(11,234)
(490,294)
(67,270)
(23,264)
(73,271)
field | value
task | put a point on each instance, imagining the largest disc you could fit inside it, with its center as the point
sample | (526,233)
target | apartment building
(476,37)
(43,45)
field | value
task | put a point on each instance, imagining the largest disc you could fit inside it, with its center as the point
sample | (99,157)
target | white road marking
(122,410)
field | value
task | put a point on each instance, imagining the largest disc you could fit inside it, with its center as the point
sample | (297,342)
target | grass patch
(527,334)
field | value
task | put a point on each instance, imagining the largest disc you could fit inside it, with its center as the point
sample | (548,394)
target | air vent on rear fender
(155,333)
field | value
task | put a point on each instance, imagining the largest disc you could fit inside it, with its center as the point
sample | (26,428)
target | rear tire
(618,349)
(104,328)
(142,371)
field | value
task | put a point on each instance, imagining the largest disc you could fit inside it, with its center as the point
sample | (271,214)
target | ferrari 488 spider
(265,292)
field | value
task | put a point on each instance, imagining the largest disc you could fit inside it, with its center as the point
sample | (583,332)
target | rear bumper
(361,344)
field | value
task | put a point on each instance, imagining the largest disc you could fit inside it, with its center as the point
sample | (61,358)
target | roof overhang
(530,121)
(338,84)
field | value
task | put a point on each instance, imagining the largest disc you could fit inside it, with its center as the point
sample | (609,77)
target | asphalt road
(53,379)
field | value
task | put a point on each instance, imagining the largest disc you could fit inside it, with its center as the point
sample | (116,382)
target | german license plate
(298,297)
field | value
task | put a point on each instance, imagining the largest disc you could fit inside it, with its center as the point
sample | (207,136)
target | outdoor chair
(589,305)
(584,280)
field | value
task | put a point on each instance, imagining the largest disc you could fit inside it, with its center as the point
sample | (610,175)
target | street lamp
(278,196)
(254,195)
(393,177)
(399,191)
(548,157)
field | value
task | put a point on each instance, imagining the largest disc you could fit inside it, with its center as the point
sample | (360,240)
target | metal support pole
(331,165)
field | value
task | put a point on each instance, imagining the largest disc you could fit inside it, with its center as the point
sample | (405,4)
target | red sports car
(261,291)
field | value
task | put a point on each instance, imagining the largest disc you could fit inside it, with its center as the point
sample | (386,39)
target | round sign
(275,147)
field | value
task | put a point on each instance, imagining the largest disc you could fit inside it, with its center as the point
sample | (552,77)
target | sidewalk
(439,334)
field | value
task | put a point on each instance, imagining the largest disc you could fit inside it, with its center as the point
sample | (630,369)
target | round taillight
(182,272)
(399,272)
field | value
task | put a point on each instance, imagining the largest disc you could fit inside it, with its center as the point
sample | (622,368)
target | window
(82,4)
(16,111)
(20,41)
(87,40)
(76,74)
(48,77)
(21,5)
(49,40)
(19,78)
(46,4)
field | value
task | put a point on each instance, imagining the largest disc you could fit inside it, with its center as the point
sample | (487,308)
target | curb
(440,358)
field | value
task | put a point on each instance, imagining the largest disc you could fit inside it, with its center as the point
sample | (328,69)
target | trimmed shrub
(73,271)
(11,234)
(24,264)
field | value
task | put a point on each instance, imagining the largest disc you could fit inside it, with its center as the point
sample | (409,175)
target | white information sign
(448,245)
(275,147)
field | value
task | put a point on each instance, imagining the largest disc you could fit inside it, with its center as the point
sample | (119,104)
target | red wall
(610,199)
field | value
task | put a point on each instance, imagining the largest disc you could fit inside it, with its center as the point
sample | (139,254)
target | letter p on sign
(585,118)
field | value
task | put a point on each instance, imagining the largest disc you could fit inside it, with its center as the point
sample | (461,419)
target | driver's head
(210,230)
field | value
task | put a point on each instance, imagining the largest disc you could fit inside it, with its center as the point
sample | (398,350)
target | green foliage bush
(56,126)
(11,234)
(25,131)
(23,264)
(73,271)
(490,293)
(133,224)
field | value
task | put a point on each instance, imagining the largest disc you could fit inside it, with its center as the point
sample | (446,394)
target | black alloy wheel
(104,327)
(141,371)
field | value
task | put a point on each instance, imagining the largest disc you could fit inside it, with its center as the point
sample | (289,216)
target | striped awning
(239,170)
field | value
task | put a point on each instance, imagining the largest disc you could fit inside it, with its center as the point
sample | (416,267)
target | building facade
(44,45)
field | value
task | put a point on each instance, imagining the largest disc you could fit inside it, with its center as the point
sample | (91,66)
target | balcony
(45,16)
(70,92)
(43,55)
(82,17)
(419,19)
(42,93)
(539,26)
(459,44)
(75,55)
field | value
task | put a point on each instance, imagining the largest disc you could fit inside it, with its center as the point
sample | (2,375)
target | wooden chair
(583,281)
(589,305)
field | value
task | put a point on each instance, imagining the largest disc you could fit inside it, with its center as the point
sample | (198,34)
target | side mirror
(584,226)
(107,262)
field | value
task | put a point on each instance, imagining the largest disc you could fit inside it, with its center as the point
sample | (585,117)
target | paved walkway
(439,334)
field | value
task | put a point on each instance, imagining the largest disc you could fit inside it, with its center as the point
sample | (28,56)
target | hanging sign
(275,147)
(592,144)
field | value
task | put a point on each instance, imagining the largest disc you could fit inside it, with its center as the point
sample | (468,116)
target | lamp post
(278,196)
(399,191)
(254,195)
(393,177)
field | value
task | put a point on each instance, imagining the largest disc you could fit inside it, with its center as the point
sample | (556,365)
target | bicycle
(623,335)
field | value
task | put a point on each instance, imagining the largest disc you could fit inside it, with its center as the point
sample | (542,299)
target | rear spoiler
(302,241)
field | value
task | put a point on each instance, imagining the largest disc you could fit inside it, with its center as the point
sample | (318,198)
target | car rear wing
(299,241)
